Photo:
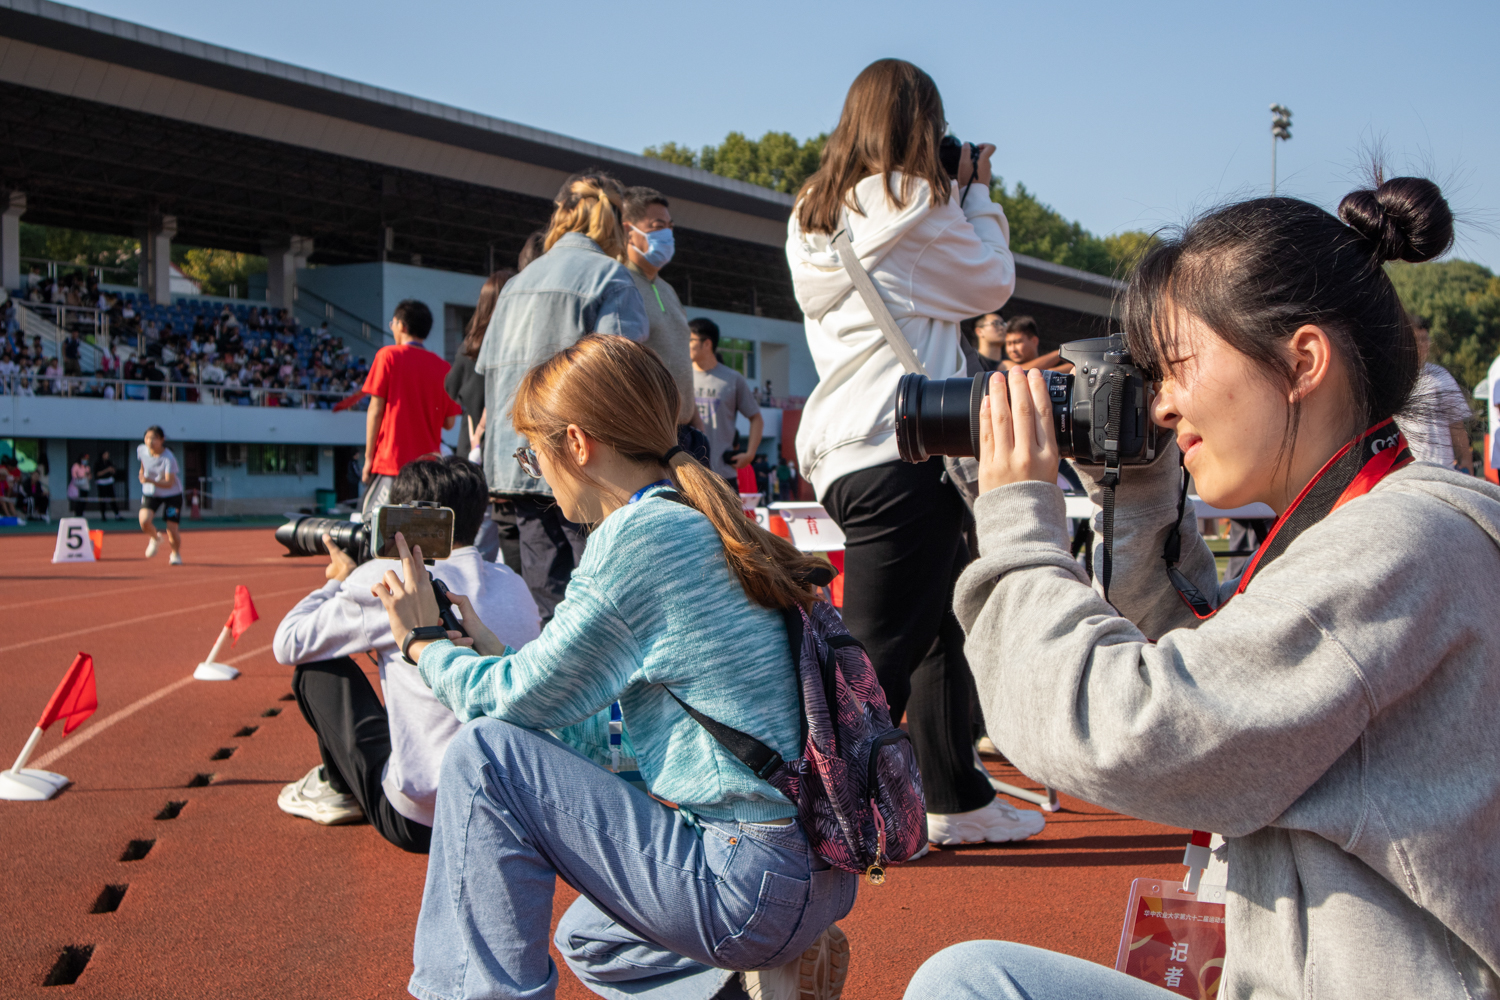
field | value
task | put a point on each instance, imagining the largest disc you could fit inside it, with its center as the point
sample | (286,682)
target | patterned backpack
(856,786)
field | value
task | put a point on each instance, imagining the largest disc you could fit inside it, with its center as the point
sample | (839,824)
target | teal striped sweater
(652,606)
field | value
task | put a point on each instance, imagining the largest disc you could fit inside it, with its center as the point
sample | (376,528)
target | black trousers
(354,739)
(540,544)
(904,549)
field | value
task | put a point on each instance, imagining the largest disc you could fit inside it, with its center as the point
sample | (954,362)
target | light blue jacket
(652,608)
(573,289)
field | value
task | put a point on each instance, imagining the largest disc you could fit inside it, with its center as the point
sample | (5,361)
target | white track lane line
(139,618)
(155,585)
(83,737)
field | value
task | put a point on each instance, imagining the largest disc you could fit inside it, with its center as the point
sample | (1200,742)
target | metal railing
(55,269)
(101,386)
(340,321)
(53,323)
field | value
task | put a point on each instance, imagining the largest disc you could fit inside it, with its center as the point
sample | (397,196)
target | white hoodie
(933,266)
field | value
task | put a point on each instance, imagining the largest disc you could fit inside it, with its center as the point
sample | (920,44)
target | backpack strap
(759,758)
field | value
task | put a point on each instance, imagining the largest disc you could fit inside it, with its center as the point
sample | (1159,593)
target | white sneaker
(817,974)
(314,798)
(176,559)
(153,545)
(985,745)
(996,823)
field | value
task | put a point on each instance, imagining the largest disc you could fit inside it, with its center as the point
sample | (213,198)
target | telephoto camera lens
(303,536)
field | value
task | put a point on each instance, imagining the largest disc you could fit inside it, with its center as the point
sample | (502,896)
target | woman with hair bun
(1332,713)
(691,867)
(578,285)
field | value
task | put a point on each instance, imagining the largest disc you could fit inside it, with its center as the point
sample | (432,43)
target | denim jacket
(572,289)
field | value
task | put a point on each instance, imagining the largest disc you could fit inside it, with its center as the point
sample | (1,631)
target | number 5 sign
(73,542)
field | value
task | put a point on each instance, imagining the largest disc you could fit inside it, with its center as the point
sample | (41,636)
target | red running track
(236,899)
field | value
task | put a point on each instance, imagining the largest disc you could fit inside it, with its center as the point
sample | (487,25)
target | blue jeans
(668,908)
(1001,970)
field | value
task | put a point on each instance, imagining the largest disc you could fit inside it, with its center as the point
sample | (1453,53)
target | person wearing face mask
(649,246)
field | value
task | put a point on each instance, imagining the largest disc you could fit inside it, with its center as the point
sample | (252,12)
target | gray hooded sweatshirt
(1338,722)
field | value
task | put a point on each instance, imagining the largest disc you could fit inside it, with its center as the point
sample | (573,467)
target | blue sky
(1122,116)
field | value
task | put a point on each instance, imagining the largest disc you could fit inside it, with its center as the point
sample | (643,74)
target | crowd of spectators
(240,354)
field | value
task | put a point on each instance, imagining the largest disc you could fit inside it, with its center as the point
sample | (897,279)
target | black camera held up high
(1101,413)
(950,155)
(423,523)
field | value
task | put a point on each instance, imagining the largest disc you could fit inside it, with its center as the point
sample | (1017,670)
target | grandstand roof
(106,124)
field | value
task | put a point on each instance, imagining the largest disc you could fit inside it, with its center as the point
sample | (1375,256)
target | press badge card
(1174,939)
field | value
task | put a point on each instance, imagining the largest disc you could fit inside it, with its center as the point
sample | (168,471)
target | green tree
(776,160)
(1460,303)
(1039,230)
(72,246)
(216,271)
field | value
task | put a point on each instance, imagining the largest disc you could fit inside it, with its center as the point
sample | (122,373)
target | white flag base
(211,671)
(30,785)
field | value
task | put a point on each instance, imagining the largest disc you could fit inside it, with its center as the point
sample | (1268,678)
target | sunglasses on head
(526,459)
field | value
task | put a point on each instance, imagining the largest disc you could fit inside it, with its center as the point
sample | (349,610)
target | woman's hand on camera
(408,599)
(1016,441)
(966,167)
(485,641)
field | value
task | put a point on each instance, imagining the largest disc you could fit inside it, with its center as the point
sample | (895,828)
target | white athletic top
(157,466)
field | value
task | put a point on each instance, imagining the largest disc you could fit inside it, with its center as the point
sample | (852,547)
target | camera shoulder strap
(1353,472)
(873,302)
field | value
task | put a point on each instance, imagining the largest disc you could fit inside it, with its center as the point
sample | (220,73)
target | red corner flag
(75,698)
(243,614)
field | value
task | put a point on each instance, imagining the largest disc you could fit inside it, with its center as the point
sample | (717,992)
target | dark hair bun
(1406,218)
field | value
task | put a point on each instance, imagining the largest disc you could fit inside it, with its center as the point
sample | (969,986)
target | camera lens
(941,416)
(938,416)
(304,536)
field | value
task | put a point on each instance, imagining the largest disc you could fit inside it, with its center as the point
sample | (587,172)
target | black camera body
(950,154)
(941,416)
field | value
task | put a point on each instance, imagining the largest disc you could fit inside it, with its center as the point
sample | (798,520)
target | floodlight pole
(1281,130)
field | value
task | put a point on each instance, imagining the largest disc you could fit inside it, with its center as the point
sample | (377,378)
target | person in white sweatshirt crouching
(381,761)
(937,249)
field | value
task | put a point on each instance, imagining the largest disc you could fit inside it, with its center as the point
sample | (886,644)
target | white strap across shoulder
(867,291)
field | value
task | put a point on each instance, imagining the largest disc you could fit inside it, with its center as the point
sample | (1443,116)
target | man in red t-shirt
(409,408)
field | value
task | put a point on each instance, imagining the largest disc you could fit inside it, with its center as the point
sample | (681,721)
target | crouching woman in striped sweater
(704,873)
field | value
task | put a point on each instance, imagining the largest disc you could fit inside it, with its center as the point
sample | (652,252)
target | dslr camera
(950,153)
(1101,413)
(424,523)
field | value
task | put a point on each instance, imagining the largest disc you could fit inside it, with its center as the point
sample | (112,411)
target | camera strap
(900,346)
(1111,477)
(1353,472)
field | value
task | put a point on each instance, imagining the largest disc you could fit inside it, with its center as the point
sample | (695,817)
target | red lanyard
(1353,472)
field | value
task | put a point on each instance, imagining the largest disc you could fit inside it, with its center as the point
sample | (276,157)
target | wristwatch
(422,633)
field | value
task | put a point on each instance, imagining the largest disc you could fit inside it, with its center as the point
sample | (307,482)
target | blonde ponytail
(590,203)
(620,394)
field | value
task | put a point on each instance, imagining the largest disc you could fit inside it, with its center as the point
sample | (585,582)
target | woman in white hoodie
(938,251)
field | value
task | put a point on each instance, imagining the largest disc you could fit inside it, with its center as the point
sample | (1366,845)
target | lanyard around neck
(1353,472)
(638,494)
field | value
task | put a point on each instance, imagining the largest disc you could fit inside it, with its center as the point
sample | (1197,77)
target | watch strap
(422,633)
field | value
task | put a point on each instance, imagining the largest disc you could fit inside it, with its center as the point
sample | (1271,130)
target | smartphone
(431,527)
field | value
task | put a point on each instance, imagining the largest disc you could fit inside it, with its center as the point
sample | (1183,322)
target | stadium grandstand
(357,197)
